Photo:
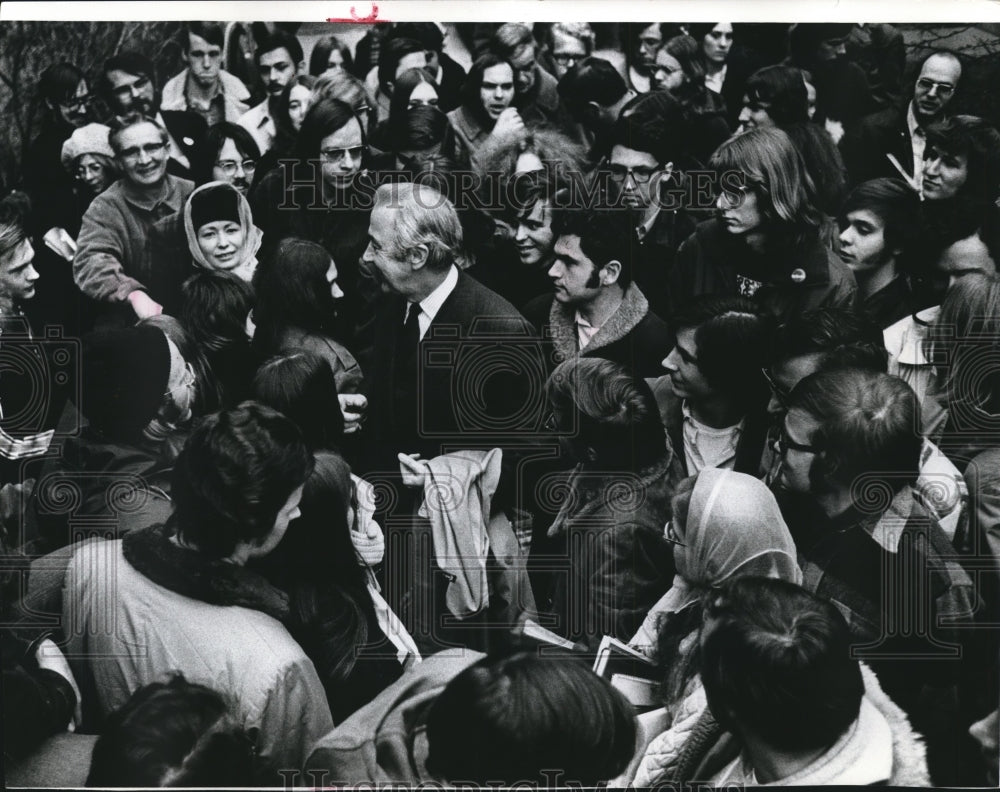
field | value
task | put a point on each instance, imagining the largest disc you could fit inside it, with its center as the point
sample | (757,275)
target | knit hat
(213,204)
(89,139)
(124,377)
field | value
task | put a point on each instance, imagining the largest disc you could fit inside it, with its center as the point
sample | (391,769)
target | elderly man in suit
(891,142)
(449,365)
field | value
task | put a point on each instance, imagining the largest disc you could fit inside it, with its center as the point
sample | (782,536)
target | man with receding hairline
(891,142)
(113,263)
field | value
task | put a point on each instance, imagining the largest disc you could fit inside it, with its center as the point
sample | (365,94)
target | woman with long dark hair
(214,311)
(412,88)
(297,294)
(290,110)
(330,54)
(726,64)
(765,242)
(334,612)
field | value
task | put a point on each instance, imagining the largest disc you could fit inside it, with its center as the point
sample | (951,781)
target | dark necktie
(404,395)
(409,336)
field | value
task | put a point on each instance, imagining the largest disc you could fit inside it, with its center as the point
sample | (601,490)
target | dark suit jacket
(865,148)
(476,380)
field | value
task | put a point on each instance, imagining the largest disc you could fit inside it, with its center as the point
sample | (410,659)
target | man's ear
(592,110)
(417,256)
(610,272)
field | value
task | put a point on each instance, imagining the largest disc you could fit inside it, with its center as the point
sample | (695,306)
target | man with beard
(892,141)
(204,87)
(113,264)
(279,61)
(130,89)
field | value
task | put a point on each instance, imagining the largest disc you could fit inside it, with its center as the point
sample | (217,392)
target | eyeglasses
(76,102)
(565,58)
(670,534)
(945,89)
(150,150)
(639,175)
(784,443)
(229,167)
(187,382)
(780,392)
(337,155)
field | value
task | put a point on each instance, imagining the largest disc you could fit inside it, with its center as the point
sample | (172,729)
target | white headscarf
(252,237)
(734,527)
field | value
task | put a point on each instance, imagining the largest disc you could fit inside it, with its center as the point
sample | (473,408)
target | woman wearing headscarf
(220,232)
(724,525)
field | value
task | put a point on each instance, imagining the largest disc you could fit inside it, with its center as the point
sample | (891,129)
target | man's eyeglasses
(670,534)
(945,89)
(639,175)
(781,393)
(784,443)
(229,167)
(150,150)
(566,58)
(337,155)
(187,382)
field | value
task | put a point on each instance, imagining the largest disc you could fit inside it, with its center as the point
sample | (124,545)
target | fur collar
(562,320)
(187,572)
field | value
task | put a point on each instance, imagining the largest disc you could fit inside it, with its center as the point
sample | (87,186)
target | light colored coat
(234,93)
(126,631)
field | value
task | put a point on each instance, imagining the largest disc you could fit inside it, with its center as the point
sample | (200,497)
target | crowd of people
(352,404)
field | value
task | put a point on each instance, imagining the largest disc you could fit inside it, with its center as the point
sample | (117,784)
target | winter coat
(713,261)
(234,94)
(880,747)
(632,336)
(172,609)
(96,488)
(385,741)
(346,370)
(618,562)
(113,256)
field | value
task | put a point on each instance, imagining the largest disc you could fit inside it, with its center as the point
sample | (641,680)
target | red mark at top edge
(371,19)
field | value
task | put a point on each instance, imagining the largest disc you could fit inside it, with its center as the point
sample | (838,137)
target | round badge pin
(188,141)
(798,275)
